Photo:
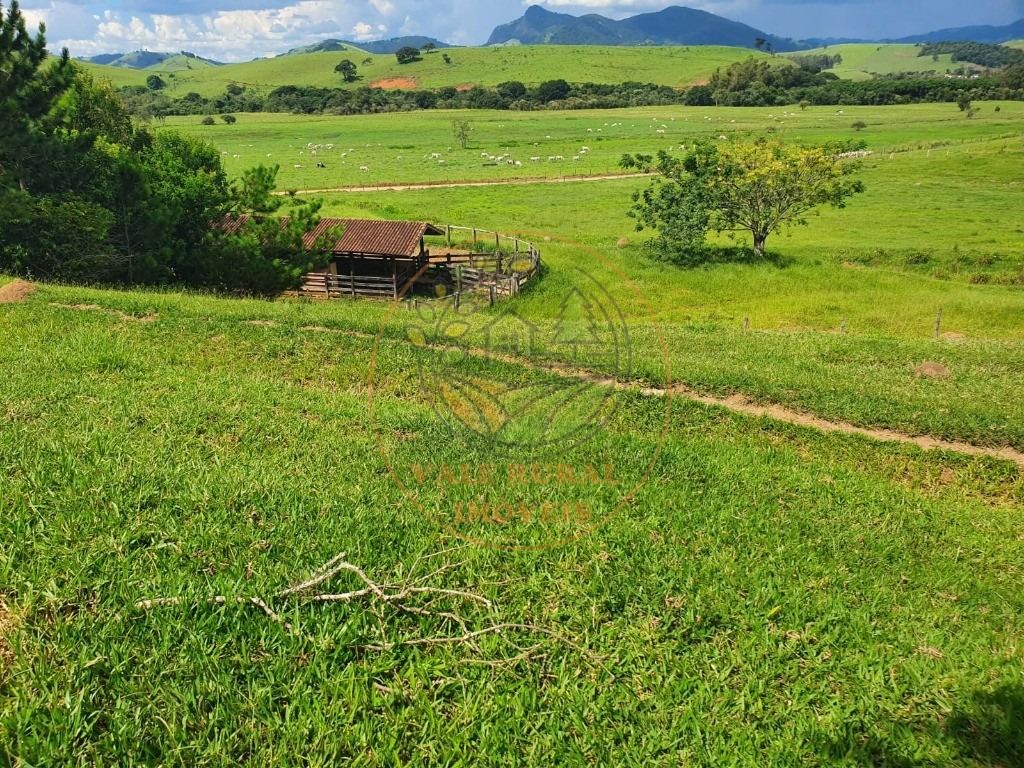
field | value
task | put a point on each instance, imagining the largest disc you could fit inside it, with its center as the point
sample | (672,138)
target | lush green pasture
(861,61)
(379,141)
(773,596)
(939,227)
(675,66)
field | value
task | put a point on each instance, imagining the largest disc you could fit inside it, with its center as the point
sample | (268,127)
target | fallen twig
(412,597)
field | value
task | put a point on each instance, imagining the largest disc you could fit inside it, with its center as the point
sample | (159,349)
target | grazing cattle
(363,168)
(298,167)
(534,159)
(320,165)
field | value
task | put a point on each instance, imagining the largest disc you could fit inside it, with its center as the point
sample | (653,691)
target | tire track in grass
(479,183)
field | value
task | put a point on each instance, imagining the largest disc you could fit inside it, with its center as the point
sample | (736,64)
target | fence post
(746,323)
(842,328)
(448,232)
(938,323)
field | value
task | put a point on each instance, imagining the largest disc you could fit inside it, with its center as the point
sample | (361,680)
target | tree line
(982,54)
(89,195)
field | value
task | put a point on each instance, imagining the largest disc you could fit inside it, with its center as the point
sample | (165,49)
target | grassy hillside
(772,596)
(862,60)
(1016,44)
(181,63)
(673,66)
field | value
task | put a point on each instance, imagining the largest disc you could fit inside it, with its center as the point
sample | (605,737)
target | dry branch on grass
(411,596)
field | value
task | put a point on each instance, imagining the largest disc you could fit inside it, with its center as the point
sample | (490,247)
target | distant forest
(753,82)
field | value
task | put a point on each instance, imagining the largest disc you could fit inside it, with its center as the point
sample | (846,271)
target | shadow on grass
(990,729)
(715,255)
(986,730)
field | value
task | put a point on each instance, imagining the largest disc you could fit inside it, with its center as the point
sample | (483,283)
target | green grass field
(772,596)
(675,66)
(863,60)
(414,137)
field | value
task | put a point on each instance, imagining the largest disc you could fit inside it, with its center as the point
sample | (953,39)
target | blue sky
(239,30)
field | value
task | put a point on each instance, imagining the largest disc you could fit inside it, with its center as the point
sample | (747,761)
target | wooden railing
(347,286)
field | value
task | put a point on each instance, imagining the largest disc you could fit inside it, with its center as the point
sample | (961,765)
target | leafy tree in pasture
(348,70)
(229,119)
(407,55)
(552,90)
(447,58)
(964,102)
(209,120)
(512,90)
(428,47)
(758,188)
(859,125)
(461,130)
(155,83)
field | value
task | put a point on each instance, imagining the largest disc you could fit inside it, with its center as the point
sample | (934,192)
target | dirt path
(735,403)
(480,183)
(742,404)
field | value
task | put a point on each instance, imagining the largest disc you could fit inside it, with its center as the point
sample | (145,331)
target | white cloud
(385,7)
(362,31)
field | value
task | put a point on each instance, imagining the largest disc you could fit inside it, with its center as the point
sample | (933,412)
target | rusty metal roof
(375,237)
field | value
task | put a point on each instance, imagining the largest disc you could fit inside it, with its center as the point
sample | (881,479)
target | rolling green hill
(675,66)
(1016,44)
(182,63)
(862,60)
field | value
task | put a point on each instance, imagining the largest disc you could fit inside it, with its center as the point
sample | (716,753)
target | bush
(208,120)
(229,119)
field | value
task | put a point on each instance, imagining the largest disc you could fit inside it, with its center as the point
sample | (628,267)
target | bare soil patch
(932,370)
(396,83)
(16,292)
(8,625)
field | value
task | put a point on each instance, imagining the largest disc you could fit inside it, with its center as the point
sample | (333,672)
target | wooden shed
(372,257)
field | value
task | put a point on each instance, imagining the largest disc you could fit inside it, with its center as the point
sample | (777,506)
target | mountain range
(147,59)
(538,26)
(380,47)
(671,26)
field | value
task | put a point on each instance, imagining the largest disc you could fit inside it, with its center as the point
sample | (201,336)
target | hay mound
(953,336)
(932,370)
(623,241)
(16,292)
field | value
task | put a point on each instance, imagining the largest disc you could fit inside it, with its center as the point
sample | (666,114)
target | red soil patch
(396,83)
(16,292)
